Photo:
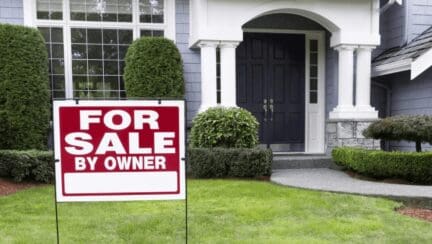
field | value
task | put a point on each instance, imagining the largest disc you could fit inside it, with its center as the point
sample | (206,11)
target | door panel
(271,67)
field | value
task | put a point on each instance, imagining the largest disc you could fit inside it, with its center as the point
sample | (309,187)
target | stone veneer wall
(348,133)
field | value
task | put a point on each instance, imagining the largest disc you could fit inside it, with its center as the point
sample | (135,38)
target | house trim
(314,113)
(416,66)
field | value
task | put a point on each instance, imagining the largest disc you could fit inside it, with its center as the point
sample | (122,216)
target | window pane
(101,10)
(314,97)
(151,11)
(152,33)
(49,9)
(97,66)
(55,59)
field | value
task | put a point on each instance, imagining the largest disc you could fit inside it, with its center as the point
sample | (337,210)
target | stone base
(348,134)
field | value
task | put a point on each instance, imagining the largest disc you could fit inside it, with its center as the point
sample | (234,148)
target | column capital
(228,44)
(366,47)
(346,47)
(213,44)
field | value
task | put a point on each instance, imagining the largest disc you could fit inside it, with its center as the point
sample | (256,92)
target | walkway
(337,181)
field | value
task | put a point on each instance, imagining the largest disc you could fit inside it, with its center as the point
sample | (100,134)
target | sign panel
(119,150)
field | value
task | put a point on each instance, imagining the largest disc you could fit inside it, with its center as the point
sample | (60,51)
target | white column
(363,84)
(345,108)
(228,73)
(208,74)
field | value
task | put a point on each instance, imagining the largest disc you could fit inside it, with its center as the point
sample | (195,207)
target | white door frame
(314,113)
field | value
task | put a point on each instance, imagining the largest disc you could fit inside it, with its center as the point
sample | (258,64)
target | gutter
(389,4)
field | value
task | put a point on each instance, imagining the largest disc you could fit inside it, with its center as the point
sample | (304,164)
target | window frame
(30,19)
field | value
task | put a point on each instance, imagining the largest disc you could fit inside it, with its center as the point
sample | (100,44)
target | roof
(403,58)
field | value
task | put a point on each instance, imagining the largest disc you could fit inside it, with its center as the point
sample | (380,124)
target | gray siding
(392,27)
(411,98)
(11,11)
(420,17)
(331,77)
(191,59)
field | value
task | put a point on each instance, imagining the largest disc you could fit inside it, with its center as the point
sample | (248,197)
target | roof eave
(421,64)
(391,68)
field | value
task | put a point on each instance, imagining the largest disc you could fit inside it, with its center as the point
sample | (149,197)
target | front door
(271,85)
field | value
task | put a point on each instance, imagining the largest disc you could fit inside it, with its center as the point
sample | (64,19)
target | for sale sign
(119,150)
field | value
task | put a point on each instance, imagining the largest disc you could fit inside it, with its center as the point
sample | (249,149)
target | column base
(342,112)
(354,113)
(204,107)
(366,112)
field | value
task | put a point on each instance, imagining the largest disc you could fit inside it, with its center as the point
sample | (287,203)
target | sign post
(119,150)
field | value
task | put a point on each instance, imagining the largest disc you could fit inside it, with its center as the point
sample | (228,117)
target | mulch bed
(420,213)
(8,186)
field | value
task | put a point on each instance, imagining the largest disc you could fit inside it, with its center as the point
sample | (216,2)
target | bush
(229,162)
(33,165)
(24,88)
(409,128)
(154,69)
(411,166)
(224,127)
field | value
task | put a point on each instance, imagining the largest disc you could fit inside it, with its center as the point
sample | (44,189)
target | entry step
(302,161)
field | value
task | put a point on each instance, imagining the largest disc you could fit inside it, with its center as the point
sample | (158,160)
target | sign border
(181,195)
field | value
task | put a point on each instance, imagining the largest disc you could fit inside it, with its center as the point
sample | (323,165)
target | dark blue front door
(271,85)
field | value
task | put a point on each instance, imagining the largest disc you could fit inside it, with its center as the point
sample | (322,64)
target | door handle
(271,108)
(265,107)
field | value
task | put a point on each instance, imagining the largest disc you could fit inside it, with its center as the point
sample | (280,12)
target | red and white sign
(119,150)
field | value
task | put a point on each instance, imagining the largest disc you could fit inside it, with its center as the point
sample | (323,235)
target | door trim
(314,142)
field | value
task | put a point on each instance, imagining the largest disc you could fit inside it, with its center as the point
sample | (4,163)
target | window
(313,67)
(87,40)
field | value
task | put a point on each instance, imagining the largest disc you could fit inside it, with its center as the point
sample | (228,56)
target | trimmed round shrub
(412,166)
(410,128)
(154,69)
(24,88)
(224,127)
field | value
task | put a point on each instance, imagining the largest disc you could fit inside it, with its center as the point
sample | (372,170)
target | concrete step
(302,161)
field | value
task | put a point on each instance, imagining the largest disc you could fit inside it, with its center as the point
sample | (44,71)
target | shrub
(154,69)
(229,162)
(410,128)
(24,88)
(224,127)
(411,166)
(34,165)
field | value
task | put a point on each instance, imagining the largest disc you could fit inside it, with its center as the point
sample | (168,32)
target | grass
(221,211)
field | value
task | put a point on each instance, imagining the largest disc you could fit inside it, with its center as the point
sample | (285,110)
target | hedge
(224,127)
(229,162)
(29,165)
(412,166)
(416,128)
(24,88)
(153,69)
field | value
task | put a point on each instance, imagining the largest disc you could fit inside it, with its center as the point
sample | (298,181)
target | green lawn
(221,211)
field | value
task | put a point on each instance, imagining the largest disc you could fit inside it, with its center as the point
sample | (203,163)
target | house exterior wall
(11,11)
(419,14)
(410,98)
(392,27)
(191,59)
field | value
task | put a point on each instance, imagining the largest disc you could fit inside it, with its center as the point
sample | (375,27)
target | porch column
(208,74)
(363,84)
(345,108)
(228,73)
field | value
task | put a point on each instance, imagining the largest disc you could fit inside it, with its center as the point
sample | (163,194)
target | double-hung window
(87,40)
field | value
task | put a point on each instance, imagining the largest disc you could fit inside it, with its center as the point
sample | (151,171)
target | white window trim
(30,19)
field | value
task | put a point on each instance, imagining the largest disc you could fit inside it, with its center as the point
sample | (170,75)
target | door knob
(271,108)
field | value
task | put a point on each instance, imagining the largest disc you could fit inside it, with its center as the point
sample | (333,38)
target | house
(303,68)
